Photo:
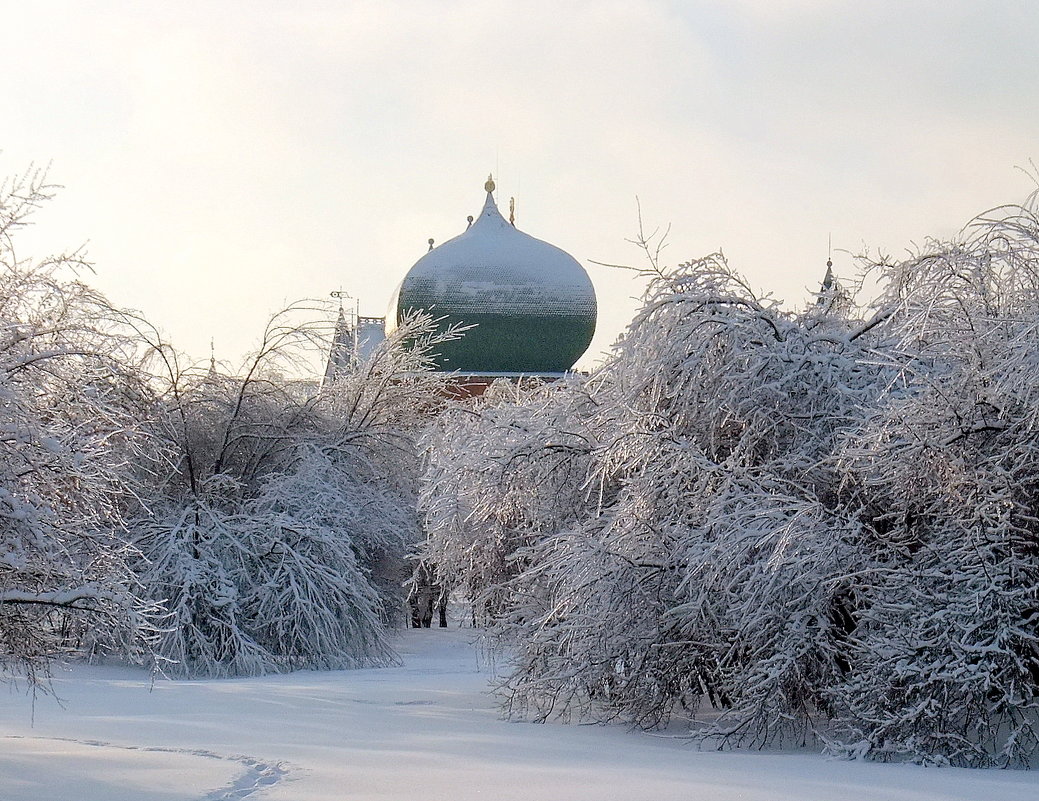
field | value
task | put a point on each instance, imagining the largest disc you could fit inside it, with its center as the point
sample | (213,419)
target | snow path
(426,729)
(257,776)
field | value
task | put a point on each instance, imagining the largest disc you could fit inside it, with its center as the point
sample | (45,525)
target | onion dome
(532,304)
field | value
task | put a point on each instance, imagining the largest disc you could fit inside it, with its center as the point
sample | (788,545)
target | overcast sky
(223,157)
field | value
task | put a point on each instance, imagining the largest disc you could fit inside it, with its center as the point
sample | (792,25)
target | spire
(341,354)
(828,278)
(212,375)
(829,285)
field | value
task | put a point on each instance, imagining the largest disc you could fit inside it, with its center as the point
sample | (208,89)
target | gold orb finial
(489,186)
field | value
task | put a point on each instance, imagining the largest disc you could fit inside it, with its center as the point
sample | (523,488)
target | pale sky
(222,158)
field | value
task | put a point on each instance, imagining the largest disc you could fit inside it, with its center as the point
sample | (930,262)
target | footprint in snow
(259,775)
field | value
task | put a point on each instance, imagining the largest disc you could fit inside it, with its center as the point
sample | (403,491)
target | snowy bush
(69,420)
(274,584)
(702,572)
(946,656)
(783,525)
(501,472)
(277,536)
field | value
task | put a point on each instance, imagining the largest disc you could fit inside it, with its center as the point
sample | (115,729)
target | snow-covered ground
(425,730)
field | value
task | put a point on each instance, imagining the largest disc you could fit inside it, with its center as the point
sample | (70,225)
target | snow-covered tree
(277,536)
(907,579)
(812,523)
(702,572)
(502,471)
(70,397)
(946,646)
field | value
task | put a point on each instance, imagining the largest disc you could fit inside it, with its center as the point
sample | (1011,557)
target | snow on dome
(532,303)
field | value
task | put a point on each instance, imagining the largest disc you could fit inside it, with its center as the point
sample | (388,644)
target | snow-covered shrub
(704,572)
(815,523)
(946,656)
(275,584)
(501,472)
(278,535)
(68,433)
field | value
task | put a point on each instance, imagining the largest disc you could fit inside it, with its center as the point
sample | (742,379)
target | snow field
(425,729)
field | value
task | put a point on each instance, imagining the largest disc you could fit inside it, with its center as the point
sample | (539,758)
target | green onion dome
(532,304)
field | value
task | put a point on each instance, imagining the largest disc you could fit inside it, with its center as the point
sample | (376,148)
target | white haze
(223,158)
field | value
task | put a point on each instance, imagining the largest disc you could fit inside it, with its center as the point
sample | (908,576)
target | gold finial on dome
(489,186)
